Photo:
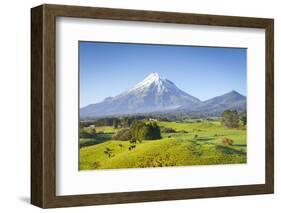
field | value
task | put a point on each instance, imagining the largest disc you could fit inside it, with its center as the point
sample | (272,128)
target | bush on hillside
(227,141)
(168,130)
(122,135)
(183,131)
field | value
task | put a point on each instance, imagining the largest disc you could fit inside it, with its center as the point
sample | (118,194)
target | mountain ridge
(216,105)
(155,94)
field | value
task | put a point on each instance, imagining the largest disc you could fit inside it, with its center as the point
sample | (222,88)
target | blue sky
(107,69)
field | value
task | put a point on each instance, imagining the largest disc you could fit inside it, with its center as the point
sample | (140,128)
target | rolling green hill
(194,143)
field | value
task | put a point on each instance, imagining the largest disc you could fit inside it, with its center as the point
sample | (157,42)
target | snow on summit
(152,78)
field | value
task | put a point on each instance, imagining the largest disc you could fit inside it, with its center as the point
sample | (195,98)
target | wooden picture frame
(43,105)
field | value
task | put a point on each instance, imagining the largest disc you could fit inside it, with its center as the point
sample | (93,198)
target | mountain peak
(155,87)
(153,94)
(234,92)
(153,77)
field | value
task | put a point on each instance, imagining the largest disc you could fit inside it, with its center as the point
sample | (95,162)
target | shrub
(96,165)
(227,141)
(183,131)
(122,135)
(168,130)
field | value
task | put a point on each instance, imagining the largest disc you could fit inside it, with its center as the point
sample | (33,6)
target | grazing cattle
(132,147)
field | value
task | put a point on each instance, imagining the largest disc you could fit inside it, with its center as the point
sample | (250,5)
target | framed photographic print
(136,106)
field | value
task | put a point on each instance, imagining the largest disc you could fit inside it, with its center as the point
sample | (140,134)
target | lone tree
(230,119)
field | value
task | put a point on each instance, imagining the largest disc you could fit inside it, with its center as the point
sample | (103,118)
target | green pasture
(194,143)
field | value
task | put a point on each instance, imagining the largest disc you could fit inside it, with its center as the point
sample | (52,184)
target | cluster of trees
(139,131)
(108,121)
(145,131)
(243,117)
(125,121)
(232,119)
(116,122)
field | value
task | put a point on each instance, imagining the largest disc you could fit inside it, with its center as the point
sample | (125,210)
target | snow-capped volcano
(155,94)
(152,94)
(153,78)
(158,87)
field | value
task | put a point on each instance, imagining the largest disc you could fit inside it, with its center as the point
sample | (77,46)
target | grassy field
(194,143)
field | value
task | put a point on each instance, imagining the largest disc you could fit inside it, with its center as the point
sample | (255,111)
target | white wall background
(15,104)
